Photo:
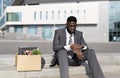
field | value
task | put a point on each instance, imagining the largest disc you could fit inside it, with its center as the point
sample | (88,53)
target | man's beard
(69,31)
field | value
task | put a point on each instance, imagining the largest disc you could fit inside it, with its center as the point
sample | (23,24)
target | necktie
(70,39)
(70,53)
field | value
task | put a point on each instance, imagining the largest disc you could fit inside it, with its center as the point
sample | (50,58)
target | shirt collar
(67,33)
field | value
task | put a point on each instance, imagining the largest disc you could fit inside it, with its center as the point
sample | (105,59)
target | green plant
(36,52)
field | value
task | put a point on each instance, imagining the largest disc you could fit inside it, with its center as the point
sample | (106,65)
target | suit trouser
(92,62)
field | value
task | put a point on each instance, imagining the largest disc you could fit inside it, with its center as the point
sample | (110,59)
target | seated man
(69,44)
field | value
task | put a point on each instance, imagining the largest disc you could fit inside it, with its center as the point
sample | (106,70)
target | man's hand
(76,46)
(79,54)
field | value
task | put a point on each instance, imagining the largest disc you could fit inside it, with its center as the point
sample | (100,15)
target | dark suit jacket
(60,41)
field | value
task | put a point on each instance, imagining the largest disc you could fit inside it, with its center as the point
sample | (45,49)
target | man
(69,44)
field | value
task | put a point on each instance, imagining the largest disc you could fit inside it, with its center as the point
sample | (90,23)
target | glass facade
(0,7)
(2,21)
(3,5)
(14,16)
(32,30)
(114,21)
(6,3)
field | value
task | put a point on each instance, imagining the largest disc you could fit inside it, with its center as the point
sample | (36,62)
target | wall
(98,32)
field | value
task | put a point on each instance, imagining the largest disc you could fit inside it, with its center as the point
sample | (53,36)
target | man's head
(71,24)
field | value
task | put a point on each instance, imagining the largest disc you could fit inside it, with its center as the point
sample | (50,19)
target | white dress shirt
(67,46)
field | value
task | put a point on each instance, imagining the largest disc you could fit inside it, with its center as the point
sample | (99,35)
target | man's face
(71,27)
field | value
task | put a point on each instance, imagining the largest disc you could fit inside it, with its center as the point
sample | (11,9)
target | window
(78,15)
(84,14)
(40,15)
(65,14)
(46,15)
(60,26)
(34,15)
(18,29)
(47,31)
(71,12)
(114,21)
(52,15)
(7,29)
(58,15)
(32,30)
(14,16)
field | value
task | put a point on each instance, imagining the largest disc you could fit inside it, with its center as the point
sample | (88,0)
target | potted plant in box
(36,52)
(32,52)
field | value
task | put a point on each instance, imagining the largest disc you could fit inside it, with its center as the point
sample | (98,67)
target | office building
(38,19)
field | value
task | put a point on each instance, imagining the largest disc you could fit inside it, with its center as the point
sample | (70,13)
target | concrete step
(6,70)
(103,58)
(110,63)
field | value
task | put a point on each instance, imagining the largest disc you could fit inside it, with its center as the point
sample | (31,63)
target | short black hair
(71,18)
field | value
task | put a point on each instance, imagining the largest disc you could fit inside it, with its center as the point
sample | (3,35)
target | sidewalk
(110,64)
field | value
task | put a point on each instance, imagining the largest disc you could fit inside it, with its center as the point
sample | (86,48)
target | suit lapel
(75,37)
(64,36)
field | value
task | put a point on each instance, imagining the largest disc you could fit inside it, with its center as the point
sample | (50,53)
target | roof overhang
(18,2)
(21,2)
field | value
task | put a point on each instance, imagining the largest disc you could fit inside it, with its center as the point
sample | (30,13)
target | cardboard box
(28,62)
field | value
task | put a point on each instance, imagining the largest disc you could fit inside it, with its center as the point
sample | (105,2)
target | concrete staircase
(110,63)
(108,55)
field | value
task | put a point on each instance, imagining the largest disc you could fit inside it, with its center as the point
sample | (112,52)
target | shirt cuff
(67,47)
(84,48)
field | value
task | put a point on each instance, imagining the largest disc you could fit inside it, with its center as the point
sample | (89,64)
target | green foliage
(36,52)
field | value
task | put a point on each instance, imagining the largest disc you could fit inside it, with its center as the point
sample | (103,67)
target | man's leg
(93,63)
(63,63)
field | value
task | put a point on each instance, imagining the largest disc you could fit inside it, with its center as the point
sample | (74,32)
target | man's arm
(78,48)
(83,42)
(56,42)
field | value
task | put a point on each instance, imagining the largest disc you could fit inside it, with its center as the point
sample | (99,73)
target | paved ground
(108,55)
(11,46)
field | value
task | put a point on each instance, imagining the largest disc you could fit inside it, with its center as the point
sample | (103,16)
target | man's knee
(62,54)
(91,52)
(62,57)
(62,51)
